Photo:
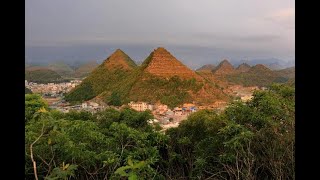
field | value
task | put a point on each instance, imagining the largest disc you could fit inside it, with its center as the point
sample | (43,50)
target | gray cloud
(229,28)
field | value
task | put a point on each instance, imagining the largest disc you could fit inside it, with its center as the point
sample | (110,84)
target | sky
(196,32)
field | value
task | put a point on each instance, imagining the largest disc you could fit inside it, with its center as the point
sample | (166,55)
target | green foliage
(172,91)
(252,140)
(63,172)
(114,99)
(258,77)
(82,92)
(104,81)
(33,103)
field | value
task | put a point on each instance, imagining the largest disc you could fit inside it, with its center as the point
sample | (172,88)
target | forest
(251,140)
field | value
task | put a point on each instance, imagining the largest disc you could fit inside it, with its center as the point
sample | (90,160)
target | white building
(84,105)
(140,106)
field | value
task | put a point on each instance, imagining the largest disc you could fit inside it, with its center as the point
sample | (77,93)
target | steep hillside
(116,74)
(163,78)
(162,64)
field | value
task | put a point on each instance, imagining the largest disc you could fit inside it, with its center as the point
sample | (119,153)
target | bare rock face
(244,67)
(224,68)
(119,59)
(162,63)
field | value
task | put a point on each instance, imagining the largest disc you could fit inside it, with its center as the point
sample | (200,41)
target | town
(166,117)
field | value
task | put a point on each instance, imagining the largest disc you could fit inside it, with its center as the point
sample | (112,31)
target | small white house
(84,105)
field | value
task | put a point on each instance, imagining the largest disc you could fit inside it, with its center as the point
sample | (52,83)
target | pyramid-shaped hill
(259,69)
(244,67)
(116,74)
(224,68)
(206,68)
(161,63)
(163,78)
(119,59)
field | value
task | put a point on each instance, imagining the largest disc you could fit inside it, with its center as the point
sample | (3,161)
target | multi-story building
(140,106)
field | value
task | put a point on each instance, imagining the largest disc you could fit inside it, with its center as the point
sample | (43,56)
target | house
(93,104)
(140,106)
(177,111)
(84,105)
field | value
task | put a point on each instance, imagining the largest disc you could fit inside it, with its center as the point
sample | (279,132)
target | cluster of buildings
(172,117)
(85,106)
(52,89)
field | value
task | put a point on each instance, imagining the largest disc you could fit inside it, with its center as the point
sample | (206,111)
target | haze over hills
(85,69)
(192,56)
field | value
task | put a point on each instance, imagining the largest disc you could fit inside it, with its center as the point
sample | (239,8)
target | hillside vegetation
(43,76)
(160,78)
(252,140)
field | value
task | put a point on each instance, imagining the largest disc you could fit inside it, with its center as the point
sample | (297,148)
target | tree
(114,99)
(33,103)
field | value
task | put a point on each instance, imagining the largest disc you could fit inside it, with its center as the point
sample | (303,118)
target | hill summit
(224,68)
(161,63)
(244,67)
(119,59)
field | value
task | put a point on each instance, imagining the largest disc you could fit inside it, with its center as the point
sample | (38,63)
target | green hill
(42,75)
(116,73)
(258,75)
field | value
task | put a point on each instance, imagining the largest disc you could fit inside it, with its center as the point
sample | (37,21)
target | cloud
(285,17)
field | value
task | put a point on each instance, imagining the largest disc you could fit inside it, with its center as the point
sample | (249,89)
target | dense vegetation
(43,76)
(253,140)
(103,80)
(171,91)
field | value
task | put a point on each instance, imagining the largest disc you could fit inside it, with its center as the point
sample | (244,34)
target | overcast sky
(195,31)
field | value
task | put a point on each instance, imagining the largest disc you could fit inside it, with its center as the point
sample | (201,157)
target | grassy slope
(42,76)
